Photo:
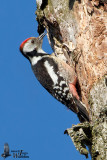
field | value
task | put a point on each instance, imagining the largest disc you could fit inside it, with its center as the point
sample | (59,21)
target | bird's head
(32,46)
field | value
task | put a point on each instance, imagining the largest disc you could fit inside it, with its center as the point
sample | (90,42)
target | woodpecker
(55,75)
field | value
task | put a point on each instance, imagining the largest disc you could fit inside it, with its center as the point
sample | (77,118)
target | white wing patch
(65,89)
(62,82)
(51,72)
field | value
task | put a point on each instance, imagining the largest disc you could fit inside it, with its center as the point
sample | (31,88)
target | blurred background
(30,118)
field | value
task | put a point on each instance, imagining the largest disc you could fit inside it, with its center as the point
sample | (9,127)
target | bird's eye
(32,41)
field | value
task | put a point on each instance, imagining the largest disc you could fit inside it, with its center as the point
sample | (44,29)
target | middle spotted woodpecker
(55,75)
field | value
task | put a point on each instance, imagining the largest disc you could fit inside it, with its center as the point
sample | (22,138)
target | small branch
(80,134)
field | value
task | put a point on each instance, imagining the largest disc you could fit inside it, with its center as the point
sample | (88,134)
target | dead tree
(77,33)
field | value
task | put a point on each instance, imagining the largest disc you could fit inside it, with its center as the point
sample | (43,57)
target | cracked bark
(82,26)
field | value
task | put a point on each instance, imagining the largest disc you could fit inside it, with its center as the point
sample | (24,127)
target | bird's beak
(41,36)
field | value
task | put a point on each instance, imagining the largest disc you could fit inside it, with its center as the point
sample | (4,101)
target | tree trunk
(81,26)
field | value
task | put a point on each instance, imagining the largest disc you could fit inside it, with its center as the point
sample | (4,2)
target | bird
(55,75)
(6,151)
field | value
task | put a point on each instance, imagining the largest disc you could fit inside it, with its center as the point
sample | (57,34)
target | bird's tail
(82,111)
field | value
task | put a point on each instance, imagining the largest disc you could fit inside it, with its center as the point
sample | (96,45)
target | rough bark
(82,27)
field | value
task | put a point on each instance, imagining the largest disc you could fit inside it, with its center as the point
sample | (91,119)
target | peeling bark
(82,27)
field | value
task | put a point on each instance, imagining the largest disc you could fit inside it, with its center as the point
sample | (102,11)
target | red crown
(22,44)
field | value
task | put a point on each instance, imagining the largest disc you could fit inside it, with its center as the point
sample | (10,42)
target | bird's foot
(69,53)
